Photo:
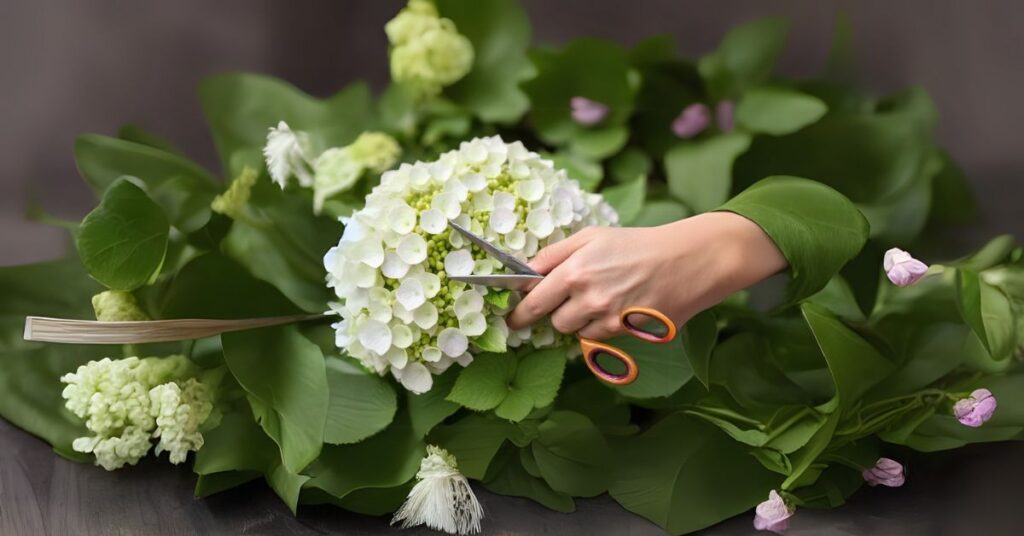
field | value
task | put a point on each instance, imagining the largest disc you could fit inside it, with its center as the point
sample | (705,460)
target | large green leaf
(588,68)
(241,107)
(473,440)
(572,455)
(122,242)
(182,188)
(361,404)
(816,228)
(663,367)
(500,33)
(699,336)
(234,452)
(429,409)
(507,476)
(627,199)
(660,212)
(745,57)
(778,111)
(685,475)
(285,376)
(214,286)
(668,84)
(700,172)
(511,387)
(988,312)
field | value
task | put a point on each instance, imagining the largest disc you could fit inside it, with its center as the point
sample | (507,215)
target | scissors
(524,278)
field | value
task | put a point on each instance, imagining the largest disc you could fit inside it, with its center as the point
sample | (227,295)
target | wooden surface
(973,491)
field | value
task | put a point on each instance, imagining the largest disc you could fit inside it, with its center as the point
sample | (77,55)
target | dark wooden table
(977,490)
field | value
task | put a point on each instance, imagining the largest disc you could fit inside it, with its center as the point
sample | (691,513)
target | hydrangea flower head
(338,169)
(427,51)
(117,306)
(124,402)
(399,311)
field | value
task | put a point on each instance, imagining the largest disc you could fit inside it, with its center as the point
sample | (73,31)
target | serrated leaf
(506,476)
(122,242)
(498,298)
(485,382)
(513,388)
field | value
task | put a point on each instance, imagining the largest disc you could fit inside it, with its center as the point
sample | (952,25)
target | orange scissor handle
(629,318)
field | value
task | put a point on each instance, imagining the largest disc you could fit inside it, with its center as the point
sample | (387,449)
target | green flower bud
(233,200)
(375,151)
(428,53)
(117,306)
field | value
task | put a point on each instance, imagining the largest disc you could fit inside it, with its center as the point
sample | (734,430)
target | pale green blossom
(117,306)
(232,202)
(376,151)
(338,169)
(123,401)
(427,51)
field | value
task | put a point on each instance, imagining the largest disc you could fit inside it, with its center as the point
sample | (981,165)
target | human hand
(680,269)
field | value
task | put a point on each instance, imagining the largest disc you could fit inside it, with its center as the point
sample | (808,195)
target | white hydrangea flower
(390,269)
(126,402)
(442,498)
(427,50)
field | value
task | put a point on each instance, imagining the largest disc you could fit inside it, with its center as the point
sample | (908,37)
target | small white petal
(425,316)
(441,365)
(464,359)
(448,204)
(431,354)
(431,283)
(394,267)
(504,200)
(474,182)
(503,220)
(401,335)
(440,171)
(418,175)
(375,336)
(473,324)
(515,239)
(397,357)
(364,276)
(458,262)
(458,189)
(483,202)
(469,301)
(416,378)
(539,223)
(433,221)
(402,218)
(412,249)
(531,189)
(410,294)
(452,342)
(483,267)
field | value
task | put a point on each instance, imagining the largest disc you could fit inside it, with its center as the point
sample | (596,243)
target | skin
(679,268)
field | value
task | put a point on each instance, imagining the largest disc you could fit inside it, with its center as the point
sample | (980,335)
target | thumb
(551,256)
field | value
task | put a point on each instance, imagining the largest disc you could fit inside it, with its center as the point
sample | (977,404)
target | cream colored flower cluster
(427,50)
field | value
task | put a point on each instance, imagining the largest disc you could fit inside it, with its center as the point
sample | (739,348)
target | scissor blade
(509,261)
(509,281)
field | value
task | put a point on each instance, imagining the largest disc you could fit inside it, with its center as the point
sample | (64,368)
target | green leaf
(596,401)
(685,475)
(241,107)
(388,459)
(627,199)
(816,228)
(236,444)
(700,172)
(498,298)
(360,404)
(663,367)
(629,165)
(122,242)
(856,366)
(988,312)
(429,409)
(500,33)
(778,111)
(287,484)
(572,455)
(182,188)
(590,68)
(699,336)
(474,441)
(802,459)
(491,340)
(584,170)
(745,57)
(506,476)
(660,212)
(513,388)
(213,286)
(285,376)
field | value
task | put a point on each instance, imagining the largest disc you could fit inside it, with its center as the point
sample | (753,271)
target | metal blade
(510,281)
(509,261)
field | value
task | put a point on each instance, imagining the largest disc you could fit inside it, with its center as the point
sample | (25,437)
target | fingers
(544,298)
(570,317)
(551,256)
(602,328)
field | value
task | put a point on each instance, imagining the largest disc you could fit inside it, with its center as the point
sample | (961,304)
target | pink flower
(724,113)
(974,410)
(587,112)
(692,120)
(885,472)
(903,269)
(772,514)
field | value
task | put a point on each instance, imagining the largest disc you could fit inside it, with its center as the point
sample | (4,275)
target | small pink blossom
(974,410)
(886,472)
(587,112)
(772,515)
(724,115)
(903,269)
(692,120)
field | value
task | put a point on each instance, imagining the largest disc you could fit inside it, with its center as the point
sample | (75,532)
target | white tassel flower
(287,155)
(441,498)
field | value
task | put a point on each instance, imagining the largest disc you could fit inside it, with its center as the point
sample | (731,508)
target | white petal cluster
(399,311)
(287,153)
(441,498)
(125,402)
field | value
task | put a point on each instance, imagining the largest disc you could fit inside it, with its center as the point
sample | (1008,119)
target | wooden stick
(63,330)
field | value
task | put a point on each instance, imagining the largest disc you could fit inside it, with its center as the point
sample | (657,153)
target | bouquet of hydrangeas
(393,384)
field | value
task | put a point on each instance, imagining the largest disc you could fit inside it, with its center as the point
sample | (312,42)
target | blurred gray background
(72,66)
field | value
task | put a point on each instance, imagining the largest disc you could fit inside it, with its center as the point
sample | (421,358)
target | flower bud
(587,112)
(886,472)
(724,115)
(692,120)
(117,306)
(427,51)
(976,409)
(903,269)
(375,151)
(233,200)
(773,514)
